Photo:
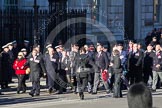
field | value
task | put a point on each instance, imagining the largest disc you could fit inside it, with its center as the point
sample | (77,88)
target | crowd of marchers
(82,69)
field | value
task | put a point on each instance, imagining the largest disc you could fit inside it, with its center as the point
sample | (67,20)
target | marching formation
(82,69)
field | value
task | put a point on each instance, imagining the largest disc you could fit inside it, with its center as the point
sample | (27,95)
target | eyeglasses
(19,55)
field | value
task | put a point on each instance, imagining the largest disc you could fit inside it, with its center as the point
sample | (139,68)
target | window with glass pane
(156,10)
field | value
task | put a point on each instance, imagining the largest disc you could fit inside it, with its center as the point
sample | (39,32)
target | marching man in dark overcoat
(51,63)
(5,60)
(37,68)
(135,59)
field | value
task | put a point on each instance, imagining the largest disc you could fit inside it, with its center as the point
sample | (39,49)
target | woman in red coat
(20,71)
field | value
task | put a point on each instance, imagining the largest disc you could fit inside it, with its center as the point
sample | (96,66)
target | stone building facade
(126,19)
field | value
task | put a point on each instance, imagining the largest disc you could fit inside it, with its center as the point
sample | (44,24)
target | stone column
(137,19)
(160,10)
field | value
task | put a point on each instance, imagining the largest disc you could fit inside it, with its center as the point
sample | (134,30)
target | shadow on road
(9,101)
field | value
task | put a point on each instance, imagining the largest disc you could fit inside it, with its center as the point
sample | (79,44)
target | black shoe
(11,82)
(82,98)
(93,93)
(1,93)
(75,92)
(81,95)
(108,91)
(31,94)
(153,90)
(50,91)
(60,93)
(18,92)
(90,92)
(37,95)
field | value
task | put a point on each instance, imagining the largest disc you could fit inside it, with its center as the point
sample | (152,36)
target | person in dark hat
(105,49)
(154,41)
(49,46)
(62,75)
(46,53)
(5,58)
(64,71)
(11,72)
(140,47)
(51,60)
(27,46)
(148,63)
(59,49)
(37,47)
(130,45)
(15,49)
(76,47)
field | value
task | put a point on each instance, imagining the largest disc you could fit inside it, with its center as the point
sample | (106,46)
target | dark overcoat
(37,68)
(51,65)
(5,62)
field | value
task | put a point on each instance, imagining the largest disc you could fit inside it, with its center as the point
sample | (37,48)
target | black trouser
(11,71)
(21,83)
(117,85)
(90,81)
(135,76)
(111,81)
(62,77)
(35,87)
(50,81)
(73,76)
(82,83)
(147,73)
(91,78)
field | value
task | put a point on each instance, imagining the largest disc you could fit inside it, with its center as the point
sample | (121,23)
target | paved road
(69,100)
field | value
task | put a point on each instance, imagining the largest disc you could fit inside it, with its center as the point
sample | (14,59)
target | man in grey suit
(101,62)
(157,66)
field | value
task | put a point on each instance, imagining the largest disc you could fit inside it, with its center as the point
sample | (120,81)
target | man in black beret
(154,41)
